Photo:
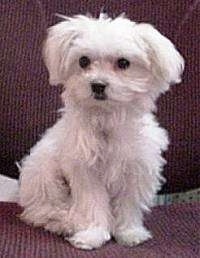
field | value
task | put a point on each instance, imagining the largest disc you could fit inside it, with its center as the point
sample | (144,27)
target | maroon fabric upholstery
(28,104)
(175,230)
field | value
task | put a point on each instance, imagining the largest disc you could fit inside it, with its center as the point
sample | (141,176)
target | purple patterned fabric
(28,104)
(175,229)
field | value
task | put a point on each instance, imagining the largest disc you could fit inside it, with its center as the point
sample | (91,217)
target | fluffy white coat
(94,173)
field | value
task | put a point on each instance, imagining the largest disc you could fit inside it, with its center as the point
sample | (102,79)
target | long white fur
(94,173)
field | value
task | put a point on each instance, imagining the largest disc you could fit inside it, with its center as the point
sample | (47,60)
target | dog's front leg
(127,210)
(89,213)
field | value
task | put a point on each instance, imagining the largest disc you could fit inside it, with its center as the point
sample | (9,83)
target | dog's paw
(132,236)
(90,238)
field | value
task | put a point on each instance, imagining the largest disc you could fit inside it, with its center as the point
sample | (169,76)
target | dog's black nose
(98,87)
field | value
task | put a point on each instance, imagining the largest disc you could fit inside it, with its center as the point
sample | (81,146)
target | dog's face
(110,62)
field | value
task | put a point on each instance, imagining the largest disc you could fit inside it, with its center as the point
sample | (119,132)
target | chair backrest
(28,104)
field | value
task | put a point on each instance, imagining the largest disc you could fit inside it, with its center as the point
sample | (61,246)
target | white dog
(95,172)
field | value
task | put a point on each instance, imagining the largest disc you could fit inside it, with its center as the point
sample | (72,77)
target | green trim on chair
(189,196)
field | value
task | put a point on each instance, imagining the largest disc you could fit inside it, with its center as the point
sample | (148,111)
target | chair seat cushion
(175,231)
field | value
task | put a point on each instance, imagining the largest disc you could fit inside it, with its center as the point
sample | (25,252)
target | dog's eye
(123,63)
(84,62)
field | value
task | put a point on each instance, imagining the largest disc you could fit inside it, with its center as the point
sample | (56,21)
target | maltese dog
(97,170)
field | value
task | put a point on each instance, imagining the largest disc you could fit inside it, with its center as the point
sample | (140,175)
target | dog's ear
(167,63)
(56,48)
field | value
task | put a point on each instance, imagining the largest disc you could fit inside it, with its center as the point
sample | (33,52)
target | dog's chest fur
(101,142)
(107,137)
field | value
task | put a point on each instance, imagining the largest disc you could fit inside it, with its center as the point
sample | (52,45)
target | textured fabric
(175,229)
(28,104)
(183,197)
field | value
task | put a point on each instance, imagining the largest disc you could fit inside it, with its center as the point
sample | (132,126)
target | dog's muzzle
(98,90)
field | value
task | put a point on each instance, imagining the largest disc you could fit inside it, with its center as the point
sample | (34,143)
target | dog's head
(110,61)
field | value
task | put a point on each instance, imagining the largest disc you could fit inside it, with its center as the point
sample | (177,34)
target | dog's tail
(9,189)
